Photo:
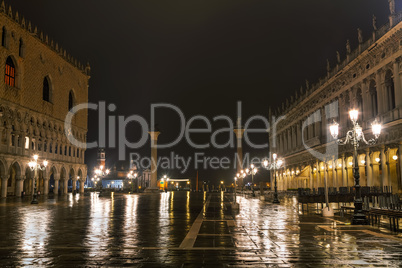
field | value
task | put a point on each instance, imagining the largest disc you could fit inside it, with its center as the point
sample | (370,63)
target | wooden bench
(393,215)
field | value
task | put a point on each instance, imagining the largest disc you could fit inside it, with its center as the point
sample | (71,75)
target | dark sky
(202,56)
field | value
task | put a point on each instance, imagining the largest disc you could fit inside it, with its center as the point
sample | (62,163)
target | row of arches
(18,179)
(22,132)
(377,168)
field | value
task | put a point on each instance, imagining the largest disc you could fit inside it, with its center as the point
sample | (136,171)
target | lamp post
(34,166)
(252,170)
(132,175)
(276,163)
(99,172)
(355,136)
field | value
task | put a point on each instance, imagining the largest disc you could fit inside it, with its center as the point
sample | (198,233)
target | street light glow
(376,127)
(334,129)
(354,114)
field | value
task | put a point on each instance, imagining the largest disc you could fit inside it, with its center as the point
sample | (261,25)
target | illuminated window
(27,143)
(10,72)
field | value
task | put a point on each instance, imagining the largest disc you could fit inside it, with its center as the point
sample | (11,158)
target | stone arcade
(41,83)
(369,79)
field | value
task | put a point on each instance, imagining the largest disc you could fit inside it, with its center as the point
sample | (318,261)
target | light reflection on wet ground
(147,230)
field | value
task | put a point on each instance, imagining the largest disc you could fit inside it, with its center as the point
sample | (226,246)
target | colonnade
(379,166)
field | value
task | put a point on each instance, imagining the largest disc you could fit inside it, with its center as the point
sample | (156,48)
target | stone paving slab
(147,231)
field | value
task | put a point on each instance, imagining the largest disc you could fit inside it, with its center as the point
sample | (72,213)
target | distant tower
(101,157)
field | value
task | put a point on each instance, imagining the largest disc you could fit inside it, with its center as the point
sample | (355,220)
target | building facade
(40,84)
(369,79)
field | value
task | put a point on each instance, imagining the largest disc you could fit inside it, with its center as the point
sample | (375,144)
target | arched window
(4,37)
(70,100)
(373,98)
(390,87)
(46,89)
(9,78)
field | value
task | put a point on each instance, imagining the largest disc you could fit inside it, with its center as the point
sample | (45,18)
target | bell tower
(101,157)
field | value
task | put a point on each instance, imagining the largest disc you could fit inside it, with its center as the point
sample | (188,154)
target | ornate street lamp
(34,166)
(100,172)
(132,175)
(276,164)
(252,170)
(355,136)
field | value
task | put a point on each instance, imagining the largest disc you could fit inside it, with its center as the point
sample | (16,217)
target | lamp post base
(327,212)
(34,201)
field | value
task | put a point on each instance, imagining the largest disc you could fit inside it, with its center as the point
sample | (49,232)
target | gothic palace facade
(40,83)
(369,79)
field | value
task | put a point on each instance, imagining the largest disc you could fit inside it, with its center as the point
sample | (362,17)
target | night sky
(202,56)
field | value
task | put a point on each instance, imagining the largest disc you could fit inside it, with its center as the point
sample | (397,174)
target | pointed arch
(10,74)
(47,89)
(71,100)
(4,37)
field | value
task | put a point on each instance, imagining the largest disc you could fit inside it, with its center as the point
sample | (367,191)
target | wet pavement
(183,229)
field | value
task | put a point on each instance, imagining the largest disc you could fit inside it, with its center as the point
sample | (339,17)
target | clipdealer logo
(120,122)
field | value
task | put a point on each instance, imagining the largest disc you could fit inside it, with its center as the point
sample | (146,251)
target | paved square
(183,229)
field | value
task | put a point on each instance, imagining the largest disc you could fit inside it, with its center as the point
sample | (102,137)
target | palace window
(70,100)
(359,100)
(46,90)
(390,86)
(9,78)
(4,37)
(26,143)
(373,98)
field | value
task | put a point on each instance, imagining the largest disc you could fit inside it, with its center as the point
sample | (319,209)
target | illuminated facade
(369,79)
(40,84)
